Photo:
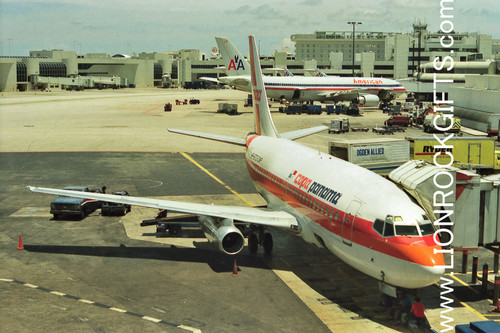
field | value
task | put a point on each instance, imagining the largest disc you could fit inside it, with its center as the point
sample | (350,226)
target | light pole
(9,39)
(353,37)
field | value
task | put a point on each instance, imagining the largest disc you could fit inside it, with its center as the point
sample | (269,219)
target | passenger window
(337,215)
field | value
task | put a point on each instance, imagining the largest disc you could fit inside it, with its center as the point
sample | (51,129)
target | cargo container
(294,109)
(378,155)
(314,109)
(468,152)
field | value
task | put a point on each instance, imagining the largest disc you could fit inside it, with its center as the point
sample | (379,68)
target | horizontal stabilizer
(292,135)
(215,137)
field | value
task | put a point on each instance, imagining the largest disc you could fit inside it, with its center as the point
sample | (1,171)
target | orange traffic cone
(235,269)
(20,247)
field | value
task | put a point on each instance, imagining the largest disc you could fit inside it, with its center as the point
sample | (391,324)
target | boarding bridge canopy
(472,206)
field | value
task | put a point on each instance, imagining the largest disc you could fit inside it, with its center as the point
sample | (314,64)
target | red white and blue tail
(263,122)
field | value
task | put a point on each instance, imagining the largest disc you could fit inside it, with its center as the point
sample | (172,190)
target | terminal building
(377,54)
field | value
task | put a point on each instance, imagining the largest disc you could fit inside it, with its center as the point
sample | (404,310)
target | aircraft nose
(429,270)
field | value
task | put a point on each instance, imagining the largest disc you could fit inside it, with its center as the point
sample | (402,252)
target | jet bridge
(472,205)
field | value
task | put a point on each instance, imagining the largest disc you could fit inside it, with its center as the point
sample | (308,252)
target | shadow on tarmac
(218,262)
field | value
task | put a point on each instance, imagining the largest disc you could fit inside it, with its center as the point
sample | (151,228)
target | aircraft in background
(316,72)
(361,217)
(367,91)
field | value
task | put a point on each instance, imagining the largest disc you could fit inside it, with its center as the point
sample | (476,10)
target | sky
(127,26)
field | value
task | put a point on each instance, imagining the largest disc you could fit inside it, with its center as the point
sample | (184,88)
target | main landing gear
(264,238)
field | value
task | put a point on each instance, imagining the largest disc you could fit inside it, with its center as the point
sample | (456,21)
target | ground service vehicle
(378,155)
(398,121)
(468,152)
(338,126)
(74,206)
(442,122)
(111,208)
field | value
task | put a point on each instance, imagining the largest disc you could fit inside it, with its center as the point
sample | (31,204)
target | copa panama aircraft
(367,91)
(359,216)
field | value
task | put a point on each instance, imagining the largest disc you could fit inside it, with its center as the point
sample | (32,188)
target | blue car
(74,206)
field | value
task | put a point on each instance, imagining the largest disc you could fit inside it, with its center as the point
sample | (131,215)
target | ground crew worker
(417,313)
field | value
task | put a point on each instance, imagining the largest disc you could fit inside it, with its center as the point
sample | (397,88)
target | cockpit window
(406,230)
(378,226)
(427,229)
(388,229)
(384,228)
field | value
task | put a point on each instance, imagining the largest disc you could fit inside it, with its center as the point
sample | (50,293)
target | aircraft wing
(292,135)
(210,79)
(237,81)
(341,95)
(215,137)
(262,216)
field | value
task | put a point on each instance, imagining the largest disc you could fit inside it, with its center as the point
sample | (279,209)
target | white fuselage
(336,204)
(322,89)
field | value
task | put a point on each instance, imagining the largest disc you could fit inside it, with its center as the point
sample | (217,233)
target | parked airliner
(359,216)
(367,91)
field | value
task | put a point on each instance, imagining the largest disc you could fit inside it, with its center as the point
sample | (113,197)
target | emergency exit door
(474,153)
(348,221)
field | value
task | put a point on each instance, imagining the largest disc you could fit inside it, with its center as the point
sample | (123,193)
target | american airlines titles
(317,189)
(364,81)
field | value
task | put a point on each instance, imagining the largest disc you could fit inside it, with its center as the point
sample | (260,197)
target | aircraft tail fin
(234,61)
(263,122)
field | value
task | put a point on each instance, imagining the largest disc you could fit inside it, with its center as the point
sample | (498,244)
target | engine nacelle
(223,234)
(368,100)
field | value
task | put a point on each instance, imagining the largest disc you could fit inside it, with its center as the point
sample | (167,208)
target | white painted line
(6,280)
(30,285)
(188,328)
(154,320)
(118,310)
(86,301)
(57,293)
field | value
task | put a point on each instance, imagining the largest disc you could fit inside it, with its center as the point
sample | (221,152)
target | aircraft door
(348,221)
(474,153)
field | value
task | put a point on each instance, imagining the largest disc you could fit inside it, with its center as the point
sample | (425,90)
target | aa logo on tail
(236,64)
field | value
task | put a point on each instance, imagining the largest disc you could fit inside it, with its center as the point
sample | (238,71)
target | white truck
(378,155)
(442,122)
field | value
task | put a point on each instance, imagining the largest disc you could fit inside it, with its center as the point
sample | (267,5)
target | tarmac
(108,274)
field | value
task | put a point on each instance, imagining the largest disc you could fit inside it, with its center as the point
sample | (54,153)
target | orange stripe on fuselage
(418,250)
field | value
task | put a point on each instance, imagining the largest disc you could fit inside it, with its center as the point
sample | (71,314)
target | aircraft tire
(268,243)
(253,243)
(174,230)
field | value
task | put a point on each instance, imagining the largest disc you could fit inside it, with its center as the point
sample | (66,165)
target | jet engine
(368,100)
(222,233)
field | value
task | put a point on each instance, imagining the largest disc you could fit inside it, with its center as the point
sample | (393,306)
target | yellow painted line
(473,311)
(465,304)
(189,158)
(463,283)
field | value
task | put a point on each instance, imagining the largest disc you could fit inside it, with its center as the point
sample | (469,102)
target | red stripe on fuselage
(419,250)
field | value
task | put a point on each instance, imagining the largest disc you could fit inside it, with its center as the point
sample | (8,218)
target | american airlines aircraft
(367,91)
(359,216)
